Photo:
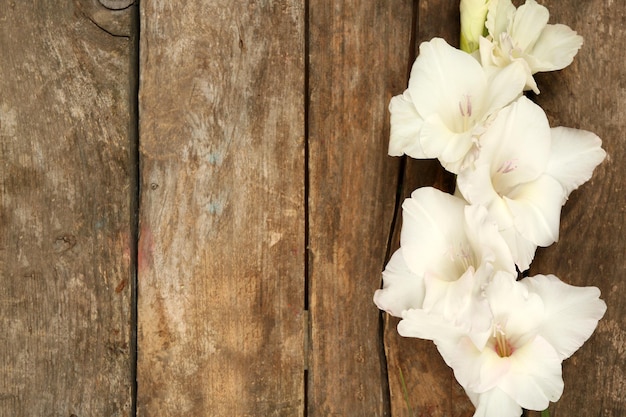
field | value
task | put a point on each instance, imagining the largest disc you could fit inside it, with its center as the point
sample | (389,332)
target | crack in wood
(115,22)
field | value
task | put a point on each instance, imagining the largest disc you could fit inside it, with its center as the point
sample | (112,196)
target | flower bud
(473,16)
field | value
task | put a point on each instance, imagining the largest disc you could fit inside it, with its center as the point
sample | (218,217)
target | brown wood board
(265,190)
(221,253)
(358,58)
(65,202)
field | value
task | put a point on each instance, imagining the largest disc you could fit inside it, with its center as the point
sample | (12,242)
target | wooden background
(196,205)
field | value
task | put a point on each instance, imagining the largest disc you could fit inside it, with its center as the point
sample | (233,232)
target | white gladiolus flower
(524,35)
(449,98)
(536,324)
(449,252)
(525,172)
(455,279)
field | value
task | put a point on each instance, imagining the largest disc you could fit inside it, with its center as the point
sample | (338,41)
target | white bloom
(449,98)
(449,252)
(524,35)
(536,323)
(525,172)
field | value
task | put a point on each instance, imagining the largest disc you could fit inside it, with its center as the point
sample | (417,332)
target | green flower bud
(473,16)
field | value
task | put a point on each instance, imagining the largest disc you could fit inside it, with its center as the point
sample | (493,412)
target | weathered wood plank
(591,95)
(64,212)
(358,59)
(221,254)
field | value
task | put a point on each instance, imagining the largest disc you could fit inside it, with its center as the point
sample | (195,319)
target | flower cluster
(454,279)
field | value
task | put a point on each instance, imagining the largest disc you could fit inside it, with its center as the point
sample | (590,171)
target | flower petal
(529,20)
(447,297)
(406,124)
(438,141)
(460,303)
(402,289)
(522,249)
(484,237)
(432,227)
(505,85)
(518,312)
(536,210)
(457,350)
(555,49)
(496,402)
(441,78)
(535,377)
(419,323)
(571,313)
(517,144)
(575,154)
(475,370)
(498,17)
(474,184)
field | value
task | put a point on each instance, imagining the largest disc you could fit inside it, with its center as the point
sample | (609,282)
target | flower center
(500,183)
(503,347)
(461,258)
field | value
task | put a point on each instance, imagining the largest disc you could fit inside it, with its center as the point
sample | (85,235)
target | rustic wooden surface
(265,190)
(222,248)
(64,213)
(358,58)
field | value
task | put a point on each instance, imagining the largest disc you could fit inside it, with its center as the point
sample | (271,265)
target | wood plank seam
(135,195)
(307,251)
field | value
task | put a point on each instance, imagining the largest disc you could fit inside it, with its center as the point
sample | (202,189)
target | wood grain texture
(221,254)
(222,262)
(358,58)
(64,214)
(591,95)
